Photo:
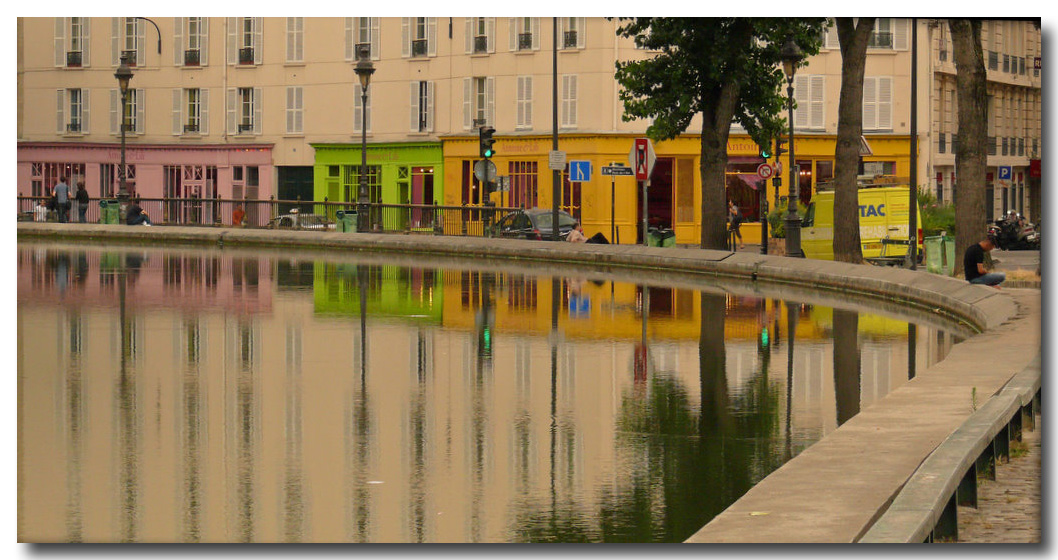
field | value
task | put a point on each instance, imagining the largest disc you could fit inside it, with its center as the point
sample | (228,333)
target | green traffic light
(488,153)
(764,153)
(764,336)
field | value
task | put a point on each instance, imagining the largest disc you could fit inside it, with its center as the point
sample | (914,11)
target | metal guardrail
(382,218)
(926,508)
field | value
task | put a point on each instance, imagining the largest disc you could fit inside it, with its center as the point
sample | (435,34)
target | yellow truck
(883,224)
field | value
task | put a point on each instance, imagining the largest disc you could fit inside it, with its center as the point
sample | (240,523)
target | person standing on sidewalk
(973,263)
(82,199)
(62,200)
(734,218)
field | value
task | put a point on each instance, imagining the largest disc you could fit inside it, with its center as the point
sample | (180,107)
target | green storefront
(397,173)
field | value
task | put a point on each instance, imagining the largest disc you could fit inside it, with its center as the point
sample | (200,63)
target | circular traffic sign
(485,170)
(765,171)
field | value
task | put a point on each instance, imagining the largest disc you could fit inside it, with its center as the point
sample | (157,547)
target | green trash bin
(109,210)
(345,221)
(661,237)
(940,254)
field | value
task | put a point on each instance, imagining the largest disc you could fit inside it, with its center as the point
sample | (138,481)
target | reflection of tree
(846,364)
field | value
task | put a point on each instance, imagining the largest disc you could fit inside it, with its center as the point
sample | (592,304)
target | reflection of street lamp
(123,74)
(791,55)
(364,69)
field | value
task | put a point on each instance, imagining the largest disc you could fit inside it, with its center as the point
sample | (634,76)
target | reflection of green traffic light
(764,336)
(486,338)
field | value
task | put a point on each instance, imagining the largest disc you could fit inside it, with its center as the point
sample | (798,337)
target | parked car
(295,220)
(533,223)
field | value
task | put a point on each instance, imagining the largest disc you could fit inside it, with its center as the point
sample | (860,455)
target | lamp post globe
(364,68)
(123,75)
(791,55)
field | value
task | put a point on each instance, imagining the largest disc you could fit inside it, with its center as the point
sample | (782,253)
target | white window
(418,37)
(191,45)
(295,39)
(571,33)
(361,31)
(877,103)
(71,42)
(190,111)
(479,101)
(72,115)
(135,104)
(358,109)
(524,33)
(244,41)
(480,35)
(569,101)
(525,102)
(295,110)
(421,96)
(889,33)
(830,36)
(244,111)
(127,37)
(808,93)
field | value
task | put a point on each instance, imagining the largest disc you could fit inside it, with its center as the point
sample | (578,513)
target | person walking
(734,222)
(62,200)
(82,199)
(974,264)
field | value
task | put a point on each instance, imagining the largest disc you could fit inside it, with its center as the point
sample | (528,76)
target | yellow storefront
(613,204)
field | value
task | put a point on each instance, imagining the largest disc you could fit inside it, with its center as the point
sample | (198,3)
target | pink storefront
(242,171)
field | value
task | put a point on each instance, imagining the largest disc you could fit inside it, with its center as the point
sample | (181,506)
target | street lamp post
(123,74)
(791,55)
(364,69)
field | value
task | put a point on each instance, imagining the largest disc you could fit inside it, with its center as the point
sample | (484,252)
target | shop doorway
(659,198)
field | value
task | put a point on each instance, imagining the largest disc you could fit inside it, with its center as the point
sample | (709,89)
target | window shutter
(358,110)
(581,32)
(870,96)
(900,33)
(141,109)
(203,111)
(405,37)
(290,109)
(60,41)
(490,30)
(233,53)
(230,108)
(536,33)
(468,36)
(801,96)
(115,41)
(490,101)
(431,25)
(414,104)
(376,52)
(573,98)
(86,105)
(512,27)
(258,47)
(350,41)
(817,115)
(291,46)
(468,106)
(141,42)
(203,42)
(114,104)
(429,106)
(179,24)
(832,41)
(178,104)
(529,101)
(520,102)
(257,112)
(60,119)
(86,41)
(885,103)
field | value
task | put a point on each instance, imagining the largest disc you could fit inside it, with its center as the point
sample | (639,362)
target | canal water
(225,396)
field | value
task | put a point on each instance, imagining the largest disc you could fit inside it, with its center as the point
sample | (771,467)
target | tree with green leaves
(724,69)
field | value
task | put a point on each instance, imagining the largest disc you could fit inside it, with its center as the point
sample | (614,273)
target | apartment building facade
(261,107)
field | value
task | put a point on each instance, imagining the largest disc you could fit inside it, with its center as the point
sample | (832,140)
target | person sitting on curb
(135,215)
(576,235)
(974,264)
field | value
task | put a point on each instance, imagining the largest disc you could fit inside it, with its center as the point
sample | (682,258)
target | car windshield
(543,221)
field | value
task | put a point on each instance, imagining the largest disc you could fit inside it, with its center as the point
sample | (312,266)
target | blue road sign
(1004,173)
(579,170)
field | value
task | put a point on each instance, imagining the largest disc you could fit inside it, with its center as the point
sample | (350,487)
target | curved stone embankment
(835,489)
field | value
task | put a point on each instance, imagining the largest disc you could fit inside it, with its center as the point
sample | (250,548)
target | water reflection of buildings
(294,401)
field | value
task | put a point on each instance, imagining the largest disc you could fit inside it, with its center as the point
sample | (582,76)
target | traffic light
(764,337)
(765,152)
(780,146)
(486,141)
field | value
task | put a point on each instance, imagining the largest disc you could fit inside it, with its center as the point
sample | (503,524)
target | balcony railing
(73,59)
(362,51)
(525,41)
(192,57)
(246,55)
(569,40)
(880,40)
(418,47)
(73,127)
(190,128)
(245,128)
(130,57)
(481,44)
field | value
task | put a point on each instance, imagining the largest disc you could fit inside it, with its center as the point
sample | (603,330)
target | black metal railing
(130,57)
(525,41)
(244,128)
(73,59)
(481,44)
(381,218)
(880,40)
(190,128)
(362,51)
(569,40)
(73,127)
(418,47)
(246,55)
(192,57)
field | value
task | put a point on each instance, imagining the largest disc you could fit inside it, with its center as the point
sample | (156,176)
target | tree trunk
(853,41)
(716,126)
(971,154)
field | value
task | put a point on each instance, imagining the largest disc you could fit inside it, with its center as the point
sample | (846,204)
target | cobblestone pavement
(1009,506)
